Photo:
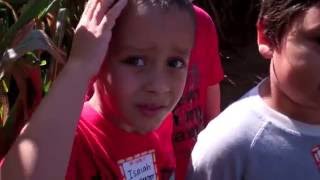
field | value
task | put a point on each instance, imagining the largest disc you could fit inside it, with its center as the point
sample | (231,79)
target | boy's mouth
(150,110)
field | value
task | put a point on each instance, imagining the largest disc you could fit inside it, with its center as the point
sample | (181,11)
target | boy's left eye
(176,63)
(135,61)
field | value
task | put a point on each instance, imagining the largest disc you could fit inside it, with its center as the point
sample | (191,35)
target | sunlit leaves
(35,40)
(32,33)
(32,10)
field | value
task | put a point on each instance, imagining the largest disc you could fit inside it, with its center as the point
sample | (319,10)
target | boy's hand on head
(93,33)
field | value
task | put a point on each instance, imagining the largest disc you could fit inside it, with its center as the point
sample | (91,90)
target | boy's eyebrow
(176,49)
(132,47)
(181,50)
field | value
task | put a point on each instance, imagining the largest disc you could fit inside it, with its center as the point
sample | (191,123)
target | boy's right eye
(135,61)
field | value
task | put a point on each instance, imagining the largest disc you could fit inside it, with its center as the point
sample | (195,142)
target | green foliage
(32,10)
(35,38)
(4,86)
(1,111)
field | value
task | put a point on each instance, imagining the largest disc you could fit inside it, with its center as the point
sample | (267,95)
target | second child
(273,132)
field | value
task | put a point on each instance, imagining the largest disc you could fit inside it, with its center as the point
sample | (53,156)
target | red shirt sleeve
(82,165)
(207,43)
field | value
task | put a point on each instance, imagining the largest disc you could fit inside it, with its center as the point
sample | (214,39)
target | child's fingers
(105,5)
(90,9)
(85,17)
(106,24)
(86,7)
(113,13)
(95,19)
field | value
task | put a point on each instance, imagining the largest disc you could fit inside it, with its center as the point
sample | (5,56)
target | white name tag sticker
(139,167)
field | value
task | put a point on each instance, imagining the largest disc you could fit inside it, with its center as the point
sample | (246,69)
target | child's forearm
(51,131)
(42,151)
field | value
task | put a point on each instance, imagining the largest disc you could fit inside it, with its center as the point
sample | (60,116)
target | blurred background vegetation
(236,25)
(36,36)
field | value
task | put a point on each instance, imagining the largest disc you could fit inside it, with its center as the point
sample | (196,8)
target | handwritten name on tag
(139,167)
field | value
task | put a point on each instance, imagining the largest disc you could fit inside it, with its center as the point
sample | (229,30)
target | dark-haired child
(273,132)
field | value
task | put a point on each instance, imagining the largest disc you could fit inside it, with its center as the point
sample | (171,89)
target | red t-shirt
(103,151)
(204,70)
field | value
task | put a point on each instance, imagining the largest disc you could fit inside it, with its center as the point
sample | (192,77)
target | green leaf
(47,9)
(35,40)
(43,62)
(32,9)
(4,104)
(4,86)
(31,54)
(46,87)
(30,58)
(9,129)
(1,112)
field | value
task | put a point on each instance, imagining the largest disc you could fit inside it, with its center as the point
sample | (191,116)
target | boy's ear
(264,45)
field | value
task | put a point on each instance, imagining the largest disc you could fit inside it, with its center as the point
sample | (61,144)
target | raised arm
(42,151)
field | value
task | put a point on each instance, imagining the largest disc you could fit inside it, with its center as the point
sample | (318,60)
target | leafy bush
(35,38)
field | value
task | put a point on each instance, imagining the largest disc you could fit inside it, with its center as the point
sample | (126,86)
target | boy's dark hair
(277,16)
(166,4)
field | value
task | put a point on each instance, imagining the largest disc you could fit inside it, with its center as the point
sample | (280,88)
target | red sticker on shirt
(316,155)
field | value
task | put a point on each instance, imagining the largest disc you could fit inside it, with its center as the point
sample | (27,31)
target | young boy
(273,132)
(120,134)
(200,101)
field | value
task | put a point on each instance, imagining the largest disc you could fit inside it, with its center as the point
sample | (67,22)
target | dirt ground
(243,69)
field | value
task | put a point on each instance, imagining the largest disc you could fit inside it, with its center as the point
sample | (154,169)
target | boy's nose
(158,82)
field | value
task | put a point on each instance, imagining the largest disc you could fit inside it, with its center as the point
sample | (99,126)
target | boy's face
(147,65)
(296,64)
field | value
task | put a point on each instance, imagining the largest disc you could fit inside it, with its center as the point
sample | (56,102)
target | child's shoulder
(245,110)
(237,125)
(230,136)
